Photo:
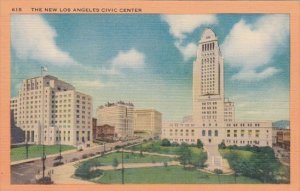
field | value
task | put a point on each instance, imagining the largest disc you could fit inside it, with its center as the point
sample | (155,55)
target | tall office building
(147,120)
(51,111)
(208,82)
(118,115)
(213,120)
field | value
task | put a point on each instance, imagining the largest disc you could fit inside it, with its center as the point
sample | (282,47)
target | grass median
(19,153)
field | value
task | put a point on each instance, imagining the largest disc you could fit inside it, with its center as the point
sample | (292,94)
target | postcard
(163,95)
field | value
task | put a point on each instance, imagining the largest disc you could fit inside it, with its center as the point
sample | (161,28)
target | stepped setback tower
(213,119)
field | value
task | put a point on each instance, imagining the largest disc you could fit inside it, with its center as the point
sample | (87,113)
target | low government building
(147,120)
(213,119)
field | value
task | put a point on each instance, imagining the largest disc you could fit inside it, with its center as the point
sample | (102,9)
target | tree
(141,151)
(185,155)
(165,164)
(202,159)
(222,145)
(199,144)
(165,143)
(115,163)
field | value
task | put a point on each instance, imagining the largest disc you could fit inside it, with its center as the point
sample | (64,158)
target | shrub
(198,160)
(74,159)
(222,145)
(175,144)
(115,163)
(199,143)
(185,155)
(165,164)
(91,154)
(218,171)
(165,143)
(84,156)
(84,171)
(118,147)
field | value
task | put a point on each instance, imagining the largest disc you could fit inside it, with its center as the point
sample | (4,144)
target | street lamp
(122,164)
(26,146)
(43,69)
(60,157)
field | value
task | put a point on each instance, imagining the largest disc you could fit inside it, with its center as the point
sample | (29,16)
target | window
(203,132)
(216,133)
(209,133)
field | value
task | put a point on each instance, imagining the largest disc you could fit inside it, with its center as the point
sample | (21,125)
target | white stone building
(51,111)
(118,115)
(213,119)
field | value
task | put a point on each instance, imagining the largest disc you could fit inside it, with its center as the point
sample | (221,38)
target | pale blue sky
(147,59)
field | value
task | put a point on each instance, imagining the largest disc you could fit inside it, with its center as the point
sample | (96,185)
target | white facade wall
(240,134)
(46,109)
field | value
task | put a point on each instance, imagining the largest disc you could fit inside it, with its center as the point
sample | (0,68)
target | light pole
(26,146)
(122,164)
(43,69)
(60,157)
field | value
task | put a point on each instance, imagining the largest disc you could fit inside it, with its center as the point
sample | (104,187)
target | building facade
(118,115)
(147,120)
(283,138)
(213,120)
(104,133)
(51,111)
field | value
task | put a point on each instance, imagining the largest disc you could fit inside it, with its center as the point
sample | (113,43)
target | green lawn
(155,147)
(169,175)
(19,153)
(240,153)
(128,158)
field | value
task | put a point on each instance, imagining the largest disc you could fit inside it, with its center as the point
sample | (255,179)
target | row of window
(208,46)
(208,60)
(242,125)
(209,133)
(181,125)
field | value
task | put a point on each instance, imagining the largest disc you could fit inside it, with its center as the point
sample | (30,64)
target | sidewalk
(148,153)
(215,160)
(63,175)
(138,165)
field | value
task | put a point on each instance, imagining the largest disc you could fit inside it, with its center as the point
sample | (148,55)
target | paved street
(26,172)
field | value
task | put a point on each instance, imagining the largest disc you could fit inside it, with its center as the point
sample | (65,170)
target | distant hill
(281,124)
